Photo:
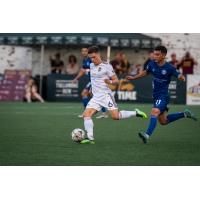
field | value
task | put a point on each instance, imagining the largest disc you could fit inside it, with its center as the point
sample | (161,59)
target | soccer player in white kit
(102,74)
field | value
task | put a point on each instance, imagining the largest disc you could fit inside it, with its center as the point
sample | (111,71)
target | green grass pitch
(39,134)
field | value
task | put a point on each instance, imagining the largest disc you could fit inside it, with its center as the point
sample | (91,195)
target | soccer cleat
(144,137)
(140,113)
(189,114)
(103,115)
(86,141)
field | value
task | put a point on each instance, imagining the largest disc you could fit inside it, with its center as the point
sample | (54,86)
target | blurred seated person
(135,69)
(31,91)
(150,58)
(116,63)
(125,65)
(57,65)
(120,64)
(174,61)
(187,64)
(72,66)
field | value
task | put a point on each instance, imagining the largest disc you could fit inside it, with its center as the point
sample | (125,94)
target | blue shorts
(161,103)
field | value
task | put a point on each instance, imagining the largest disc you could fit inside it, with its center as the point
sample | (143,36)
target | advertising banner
(12,85)
(61,88)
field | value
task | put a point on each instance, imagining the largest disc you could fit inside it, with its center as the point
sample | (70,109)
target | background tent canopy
(125,40)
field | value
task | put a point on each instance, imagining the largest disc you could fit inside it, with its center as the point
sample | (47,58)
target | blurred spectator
(120,64)
(187,64)
(174,61)
(125,65)
(135,69)
(116,63)
(72,66)
(57,65)
(31,91)
(150,57)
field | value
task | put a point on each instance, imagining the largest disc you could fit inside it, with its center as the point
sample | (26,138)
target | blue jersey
(86,65)
(161,77)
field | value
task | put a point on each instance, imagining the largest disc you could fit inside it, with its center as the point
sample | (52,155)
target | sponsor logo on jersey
(164,72)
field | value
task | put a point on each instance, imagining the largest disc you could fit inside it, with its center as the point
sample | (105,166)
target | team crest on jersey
(99,69)
(164,72)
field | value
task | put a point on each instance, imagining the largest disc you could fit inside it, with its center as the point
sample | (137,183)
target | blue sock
(103,109)
(152,125)
(85,101)
(175,116)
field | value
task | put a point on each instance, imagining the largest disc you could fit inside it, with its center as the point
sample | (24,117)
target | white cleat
(80,116)
(103,115)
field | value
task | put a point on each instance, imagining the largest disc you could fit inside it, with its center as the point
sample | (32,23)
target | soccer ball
(78,135)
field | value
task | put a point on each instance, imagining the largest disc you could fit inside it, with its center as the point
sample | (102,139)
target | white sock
(88,123)
(126,114)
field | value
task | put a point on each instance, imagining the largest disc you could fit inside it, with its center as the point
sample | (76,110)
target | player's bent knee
(155,112)
(163,122)
(115,116)
(87,114)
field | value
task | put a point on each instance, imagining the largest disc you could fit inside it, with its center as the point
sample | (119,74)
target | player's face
(84,52)
(95,58)
(158,56)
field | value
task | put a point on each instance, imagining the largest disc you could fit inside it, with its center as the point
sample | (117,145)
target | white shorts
(106,101)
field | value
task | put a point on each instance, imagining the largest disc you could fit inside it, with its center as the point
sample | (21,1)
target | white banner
(193,89)
(13,57)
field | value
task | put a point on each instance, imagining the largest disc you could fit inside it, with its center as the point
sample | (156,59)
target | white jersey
(98,74)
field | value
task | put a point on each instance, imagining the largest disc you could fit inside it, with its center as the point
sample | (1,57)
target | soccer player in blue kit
(162,72)
(86,93)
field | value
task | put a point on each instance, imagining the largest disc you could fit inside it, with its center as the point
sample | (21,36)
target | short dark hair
(162,49)
(93,49)
(84,47)
(150,51)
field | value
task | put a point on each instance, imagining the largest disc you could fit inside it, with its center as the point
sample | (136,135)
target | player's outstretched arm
(80,74)
(140,75)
